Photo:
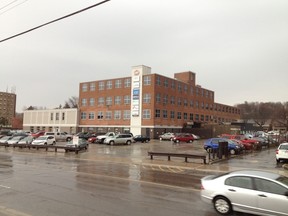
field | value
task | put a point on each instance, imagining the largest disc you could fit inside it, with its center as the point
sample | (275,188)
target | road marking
(3,186)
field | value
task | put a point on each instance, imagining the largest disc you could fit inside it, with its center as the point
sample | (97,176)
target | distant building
(146,103)
(7,108)
(64,120)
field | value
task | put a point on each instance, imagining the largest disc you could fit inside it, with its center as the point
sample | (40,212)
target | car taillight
(202,187)
(277,151)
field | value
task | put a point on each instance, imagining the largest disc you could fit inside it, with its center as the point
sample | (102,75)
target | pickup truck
(100,139)
(60,136)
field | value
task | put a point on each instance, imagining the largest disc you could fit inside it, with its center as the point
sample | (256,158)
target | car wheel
(222,205)
(171,139)
(111,142)
(54,143)
(68,139)
(232,151)
(128,142)
(277,160)
(209,150)
(190,141)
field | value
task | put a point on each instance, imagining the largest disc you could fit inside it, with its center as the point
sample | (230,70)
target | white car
(15,140)
(282,152)
(247,191)
(44,140)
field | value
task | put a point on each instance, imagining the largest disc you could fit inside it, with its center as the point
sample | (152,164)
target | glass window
(185,116)
(191,116)
(118,83)
(240,181)
(127,82)
(165,99)
(84,87)
(63,116)
(172,84)
(126,114)
(185,102)
(101,85)
(158,80)
(172,114)
(51,116)
(147,80)
(101,101)
(166,83)
(117,100)
(100,115)
(146,114)
(179,87)
(91,101)
(158,97)
(91,115)
(109,84)
(157,113)
(179,102)
(117,114)
(84,101)
(108,115)
(83,115)
(92,86)
(165,115)
(179,115)
(269,186)
(127,99)
(147,98)
(172,100)
(109,101)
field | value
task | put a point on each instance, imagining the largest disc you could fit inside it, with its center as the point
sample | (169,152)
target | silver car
(248,191)
(282,152)
(119,139)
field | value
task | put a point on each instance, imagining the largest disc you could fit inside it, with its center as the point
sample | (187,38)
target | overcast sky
(237,48)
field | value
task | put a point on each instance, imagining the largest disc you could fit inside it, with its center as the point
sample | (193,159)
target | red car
(189,138)
(37,134)
(249,144)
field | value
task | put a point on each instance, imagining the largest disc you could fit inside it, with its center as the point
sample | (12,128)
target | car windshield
(41,138)
(283,180)
(16,138)
(283,147)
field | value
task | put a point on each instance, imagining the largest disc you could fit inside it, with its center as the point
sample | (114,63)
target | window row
(107,115)
(57,116)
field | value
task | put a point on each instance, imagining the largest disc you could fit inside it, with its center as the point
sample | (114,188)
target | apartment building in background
(150,104)
(7,108)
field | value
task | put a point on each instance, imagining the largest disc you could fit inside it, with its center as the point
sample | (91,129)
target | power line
(11,7)
(64,17)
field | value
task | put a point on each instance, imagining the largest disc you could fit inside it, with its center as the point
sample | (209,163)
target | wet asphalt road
(112,180)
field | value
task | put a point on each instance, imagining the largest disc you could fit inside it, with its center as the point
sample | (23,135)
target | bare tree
(72,102)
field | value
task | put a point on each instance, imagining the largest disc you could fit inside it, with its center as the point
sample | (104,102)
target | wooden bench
(184,155)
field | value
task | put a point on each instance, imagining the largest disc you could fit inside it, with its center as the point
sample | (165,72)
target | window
(84,101)
(185,102)
(157,113)
(172,114)
(100,115)
(172,100)
(57,116)
(191,103)
(83,115)
(91,101)
(118,83)
(165,99)
(91,116)
(109,84)
(191,116)
(202,117)
(185,116)
(126,114)
(179,115)
(240,181)
(117,100)
(63,116)
(84,87)
(108,115)
(101,101)
(127,83)
(127,99)
(101,85)
(269,186)
(146,114)
(191,91)
(51,116)
(158,97)
(158,80)
(92,86)
(172,84)
(117,114)
(165,115)
(109,101)
(197,117)
(147,98)
(147,80)
(166,83)
(179,102)
(179,87)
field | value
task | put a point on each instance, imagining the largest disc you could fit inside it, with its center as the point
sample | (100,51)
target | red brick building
(147,103)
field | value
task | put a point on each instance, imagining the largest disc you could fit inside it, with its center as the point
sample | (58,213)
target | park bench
(183,155)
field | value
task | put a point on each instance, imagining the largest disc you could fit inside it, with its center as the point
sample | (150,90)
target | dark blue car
(213,143)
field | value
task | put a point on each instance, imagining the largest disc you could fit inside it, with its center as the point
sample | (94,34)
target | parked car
(15,140)
(4,139)
(282,152)
(93,138)
(38,134)
(44,140)
(188,138)
(196,137)
(167,136)
(100,138)
(81,144)
(26,140)
(247,191)
(213,143)
(60,136)
(119,139)
(141,138)
(247,142)
(84,135)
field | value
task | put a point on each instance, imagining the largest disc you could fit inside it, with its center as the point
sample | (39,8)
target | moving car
(167,136)
(44,140)
(213,143)
(119,139)
(189,138)
(248,191)
(141,138)
(79,145)
(282,152)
